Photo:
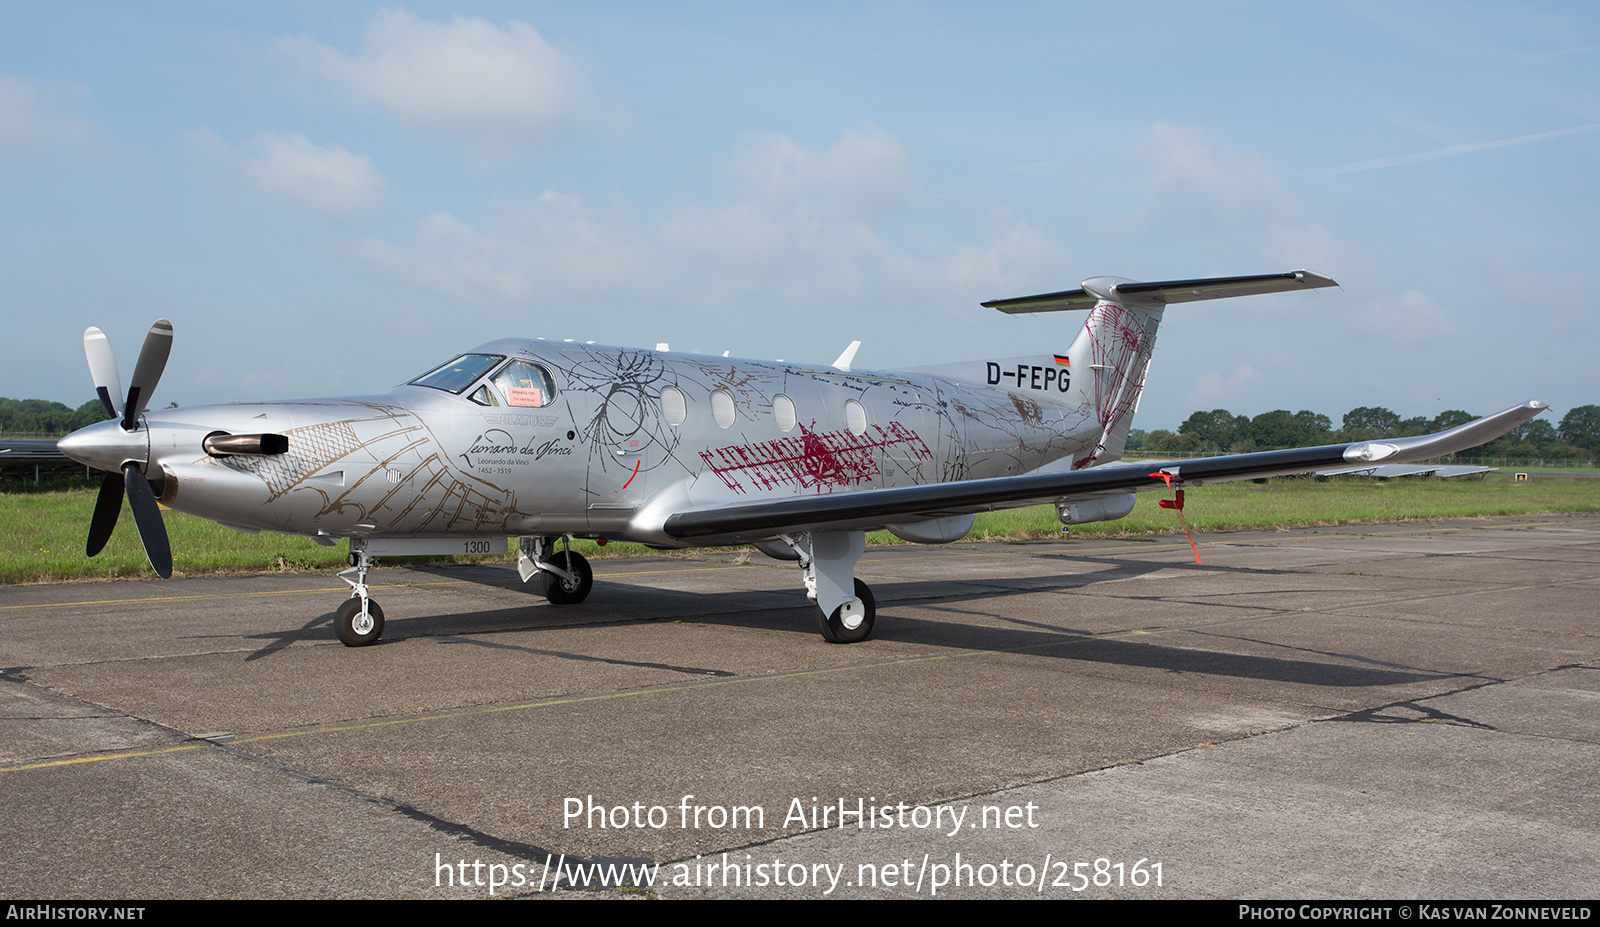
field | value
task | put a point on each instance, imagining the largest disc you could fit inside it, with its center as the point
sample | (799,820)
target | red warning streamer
(1177,503)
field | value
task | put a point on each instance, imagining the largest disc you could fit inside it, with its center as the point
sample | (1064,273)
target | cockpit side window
(460,373)
(526,385)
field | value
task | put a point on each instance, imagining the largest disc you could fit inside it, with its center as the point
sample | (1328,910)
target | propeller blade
(106,510)
(103,368)
(147,372)
(147,517)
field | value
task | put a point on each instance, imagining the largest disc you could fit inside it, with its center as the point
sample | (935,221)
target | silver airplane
(547,441)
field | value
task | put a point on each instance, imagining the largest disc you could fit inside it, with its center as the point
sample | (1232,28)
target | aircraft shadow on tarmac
(618,604)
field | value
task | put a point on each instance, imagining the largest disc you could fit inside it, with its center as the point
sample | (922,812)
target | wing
(874,508)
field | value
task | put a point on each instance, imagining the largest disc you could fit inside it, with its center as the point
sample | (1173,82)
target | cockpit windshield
(459,373)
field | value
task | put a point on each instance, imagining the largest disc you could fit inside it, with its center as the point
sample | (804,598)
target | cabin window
(783,412)
(674,408)
(855,417)
(722,408)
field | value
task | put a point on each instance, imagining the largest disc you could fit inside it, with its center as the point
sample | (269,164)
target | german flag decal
(1063,360)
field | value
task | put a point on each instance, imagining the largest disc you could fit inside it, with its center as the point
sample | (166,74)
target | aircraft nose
(104,446)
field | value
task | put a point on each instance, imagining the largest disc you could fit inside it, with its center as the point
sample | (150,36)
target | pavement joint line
(1488,682)
(221,742)
(1133,632)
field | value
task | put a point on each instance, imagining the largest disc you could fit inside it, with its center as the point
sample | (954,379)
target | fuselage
(544,438)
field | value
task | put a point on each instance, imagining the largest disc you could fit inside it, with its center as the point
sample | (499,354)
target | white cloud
(1010,257)
(286,165)
(549,249)
(1192,171)
(863,175)
(1554,306)
(497,88)
(32,119)
(797,228)
(1195,180)
(1212,387)
(1413,318)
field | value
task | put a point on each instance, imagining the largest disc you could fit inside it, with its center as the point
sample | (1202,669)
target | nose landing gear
(359,621)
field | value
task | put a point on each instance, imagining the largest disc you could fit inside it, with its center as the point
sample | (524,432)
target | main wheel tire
(563,592)
(355,629)
(837,629)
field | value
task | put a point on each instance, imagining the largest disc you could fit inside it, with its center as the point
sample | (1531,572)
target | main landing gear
(845,607)
(566,575)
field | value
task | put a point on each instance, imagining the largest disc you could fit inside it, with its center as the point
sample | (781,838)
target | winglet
(1461,437)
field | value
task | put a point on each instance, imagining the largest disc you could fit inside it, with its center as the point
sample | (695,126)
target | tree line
(44,417)
(1221,432)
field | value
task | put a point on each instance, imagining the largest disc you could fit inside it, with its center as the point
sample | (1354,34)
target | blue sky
(328,199)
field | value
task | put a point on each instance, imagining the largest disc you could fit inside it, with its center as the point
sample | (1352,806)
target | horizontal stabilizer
(1170,291)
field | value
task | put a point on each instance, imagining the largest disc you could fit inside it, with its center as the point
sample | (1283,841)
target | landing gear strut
(359,621)
(566,575)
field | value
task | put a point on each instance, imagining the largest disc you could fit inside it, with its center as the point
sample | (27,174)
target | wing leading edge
(875,507)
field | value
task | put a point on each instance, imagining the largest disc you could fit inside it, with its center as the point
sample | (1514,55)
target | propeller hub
(105,446)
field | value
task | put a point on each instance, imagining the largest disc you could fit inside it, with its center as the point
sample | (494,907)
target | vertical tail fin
(1117,339)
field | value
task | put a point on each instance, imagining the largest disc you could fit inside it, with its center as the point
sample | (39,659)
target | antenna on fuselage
(843,363)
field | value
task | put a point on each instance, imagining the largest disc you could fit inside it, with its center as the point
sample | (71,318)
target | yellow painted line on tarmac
(1064,641)
(174,598)
(102,757)
(287,592)
(730,566)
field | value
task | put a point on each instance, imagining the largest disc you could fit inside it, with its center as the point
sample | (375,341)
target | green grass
(1300,502)
(42,534)
(42,537)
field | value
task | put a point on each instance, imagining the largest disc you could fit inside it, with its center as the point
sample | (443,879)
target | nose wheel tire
(357,629)
(850,623)
(562,591)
